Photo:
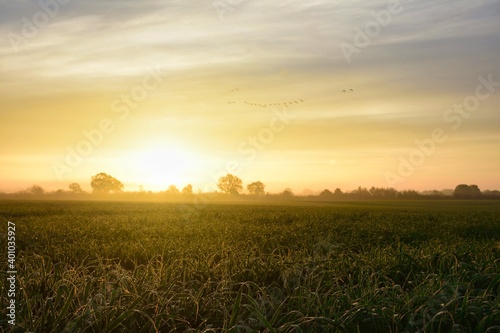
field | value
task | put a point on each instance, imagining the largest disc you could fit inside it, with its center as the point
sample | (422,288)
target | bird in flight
(262,105)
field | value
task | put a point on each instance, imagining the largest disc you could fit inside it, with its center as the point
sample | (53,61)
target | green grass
(349,267)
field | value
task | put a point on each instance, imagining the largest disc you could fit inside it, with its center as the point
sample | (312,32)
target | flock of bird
(270,104)
(289,103)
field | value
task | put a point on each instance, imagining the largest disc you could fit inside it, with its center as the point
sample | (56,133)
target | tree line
(231,185)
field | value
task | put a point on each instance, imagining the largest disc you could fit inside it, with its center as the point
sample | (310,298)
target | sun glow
(160,166)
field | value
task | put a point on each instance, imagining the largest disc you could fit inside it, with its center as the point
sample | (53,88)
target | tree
(188,190)
(230,184)
(381,192)
(287,192)
(492,194)
(326,193)
(256,188)
(36,190)
(75,188)
(467,191)
(408,194)
(104,183)
(461,190)
(361,192)
(173,190)
(475,191)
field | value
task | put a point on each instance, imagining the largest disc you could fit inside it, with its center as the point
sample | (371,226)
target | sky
(402,94)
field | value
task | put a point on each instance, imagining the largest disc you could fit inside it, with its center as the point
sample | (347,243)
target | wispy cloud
(426,59)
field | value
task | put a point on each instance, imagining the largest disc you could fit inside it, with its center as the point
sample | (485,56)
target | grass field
(403,266)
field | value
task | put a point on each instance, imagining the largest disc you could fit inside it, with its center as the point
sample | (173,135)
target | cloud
(91,52)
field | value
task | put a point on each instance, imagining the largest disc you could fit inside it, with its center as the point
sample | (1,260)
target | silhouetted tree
(409,194)
(188,190)
(256,188)
(475,191)
(461,190)
(467,191)
(287,192)
(338,192)
(36,190)
(104,183)
(326,193)
(491,194)
(173,190)
(75,188)
(380,192)
(361,192)
(230,184)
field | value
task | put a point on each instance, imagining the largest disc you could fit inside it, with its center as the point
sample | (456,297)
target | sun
(157,167)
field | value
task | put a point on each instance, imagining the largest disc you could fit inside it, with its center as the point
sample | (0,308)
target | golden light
(157,167)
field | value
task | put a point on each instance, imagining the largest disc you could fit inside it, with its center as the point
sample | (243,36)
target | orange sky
(158,94)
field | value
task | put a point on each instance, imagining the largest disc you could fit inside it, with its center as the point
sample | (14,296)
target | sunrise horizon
(250,166)
(210,186)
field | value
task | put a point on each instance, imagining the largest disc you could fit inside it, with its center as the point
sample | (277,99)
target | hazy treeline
(106,187)
(186,194)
